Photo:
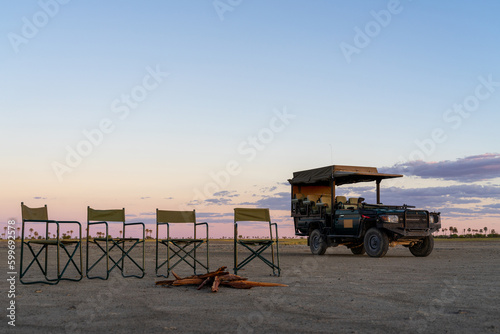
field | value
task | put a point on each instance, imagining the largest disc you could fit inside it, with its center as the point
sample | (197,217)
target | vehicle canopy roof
(341,175)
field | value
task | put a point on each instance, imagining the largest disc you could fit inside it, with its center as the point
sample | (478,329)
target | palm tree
(31,231)
(468,230)
(36,234)
(5,229)
(121,233)
(444,230)
(71,233)
(485,230)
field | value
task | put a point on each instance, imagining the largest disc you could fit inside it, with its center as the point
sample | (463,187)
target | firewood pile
(217,278)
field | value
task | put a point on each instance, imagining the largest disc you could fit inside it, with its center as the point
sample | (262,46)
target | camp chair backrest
(326,199)
(106,215)
(313,198)
(165,216)
(251,215)
(34,213)
(340,199)
(353,200)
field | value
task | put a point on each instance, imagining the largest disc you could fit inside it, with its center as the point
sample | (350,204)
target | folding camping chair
(256,247)
(40,215)
(99,217)
(184,249)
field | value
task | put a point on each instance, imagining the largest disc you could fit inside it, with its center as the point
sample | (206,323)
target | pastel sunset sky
(212,105)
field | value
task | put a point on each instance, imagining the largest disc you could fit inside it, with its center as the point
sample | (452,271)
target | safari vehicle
(329,220)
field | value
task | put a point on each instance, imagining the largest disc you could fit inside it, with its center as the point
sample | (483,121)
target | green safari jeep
(329,220)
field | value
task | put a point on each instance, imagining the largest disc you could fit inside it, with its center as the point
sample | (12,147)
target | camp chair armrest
(71,222)
(39,221)
(137,223)
(204,223)
(97,223)
(276,230)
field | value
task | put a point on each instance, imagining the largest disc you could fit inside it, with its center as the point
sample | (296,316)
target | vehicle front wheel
(376,242)
(317,243)
(424,247)
(358,250)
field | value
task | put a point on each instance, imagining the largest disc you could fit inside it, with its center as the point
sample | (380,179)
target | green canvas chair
(120,248)
(256,247)
(178,250)
(39,248)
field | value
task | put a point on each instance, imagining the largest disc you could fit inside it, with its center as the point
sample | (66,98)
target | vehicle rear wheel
(358,250)
(317,243)
(424,247)
(376,242)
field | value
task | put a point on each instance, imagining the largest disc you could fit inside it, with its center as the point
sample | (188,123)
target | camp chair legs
(184,250)
(256,247)
(256,253)
(178,247)
(43,251)
(120,245)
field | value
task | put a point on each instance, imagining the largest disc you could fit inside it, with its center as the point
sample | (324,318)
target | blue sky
(223,73)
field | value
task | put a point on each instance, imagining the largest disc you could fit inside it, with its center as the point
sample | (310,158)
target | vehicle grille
(416,220)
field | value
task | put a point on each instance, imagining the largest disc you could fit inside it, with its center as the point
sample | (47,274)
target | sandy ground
(454,290)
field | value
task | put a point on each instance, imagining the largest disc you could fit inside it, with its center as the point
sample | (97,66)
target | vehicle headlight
(390,219)
(433,219)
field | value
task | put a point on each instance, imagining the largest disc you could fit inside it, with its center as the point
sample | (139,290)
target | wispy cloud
(226,193)
(268,189)
(147,214)
(468,169)
(279,201)
(217,201)
(204,215)
(446,199)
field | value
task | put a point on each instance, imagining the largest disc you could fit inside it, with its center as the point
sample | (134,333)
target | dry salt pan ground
(455,290)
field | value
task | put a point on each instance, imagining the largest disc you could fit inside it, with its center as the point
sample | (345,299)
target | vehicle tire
(376,242)
(358,250)
(423,248)
(317,243)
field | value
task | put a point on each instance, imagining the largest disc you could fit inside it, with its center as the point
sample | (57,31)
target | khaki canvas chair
(325,204)
(184,250)
(103,217)
(256,247)
(340,202)
(40,247)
